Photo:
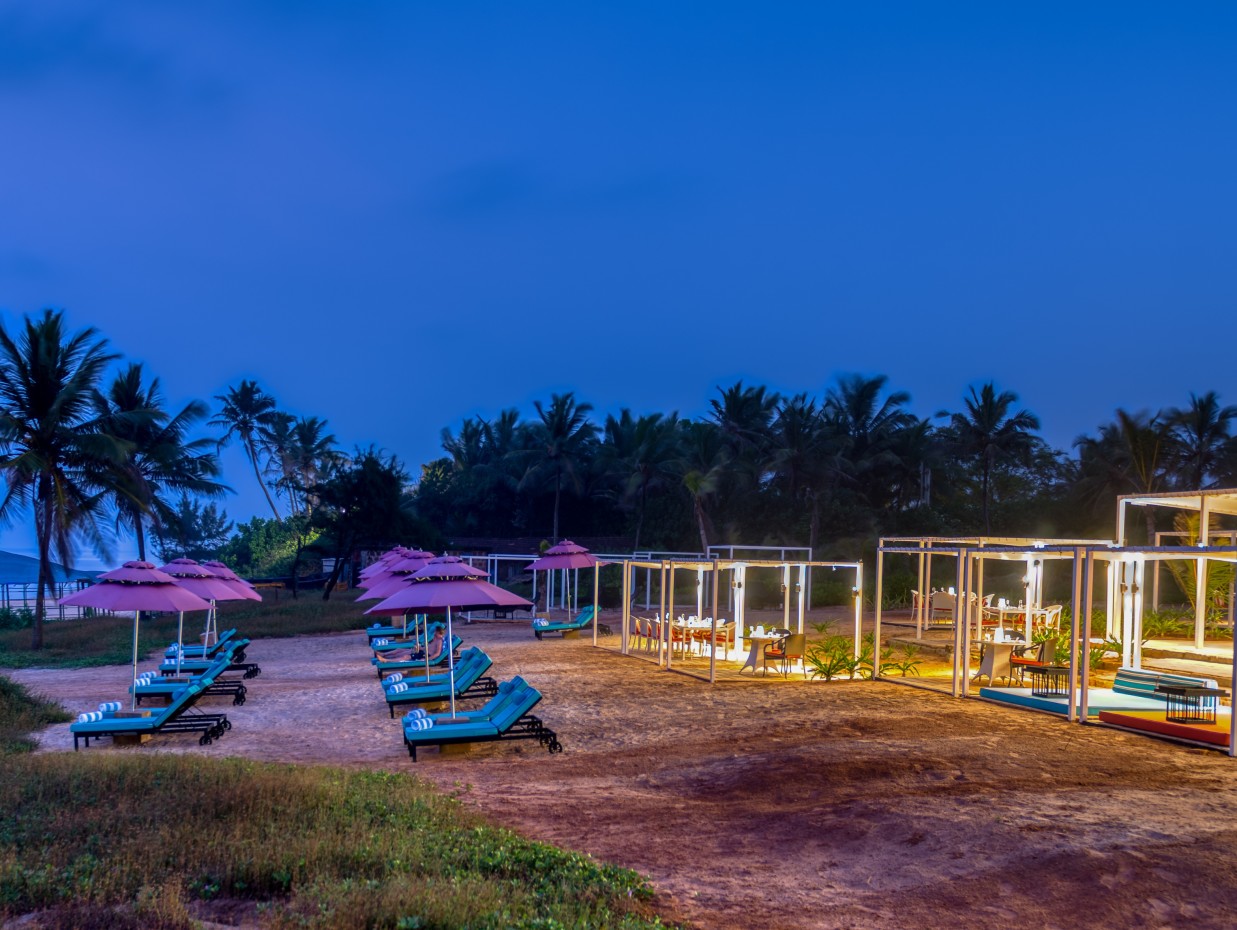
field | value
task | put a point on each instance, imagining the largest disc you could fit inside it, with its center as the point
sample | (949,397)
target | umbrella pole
(137,615)
(450,661)
(180,640)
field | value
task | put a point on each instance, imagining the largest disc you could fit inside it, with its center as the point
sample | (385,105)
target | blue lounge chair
(566,628)
(411,665)
(469,683)
(177,717)
(235,652)
(150,685)
(388,643)
(198,651)
(505,717)
(390,631)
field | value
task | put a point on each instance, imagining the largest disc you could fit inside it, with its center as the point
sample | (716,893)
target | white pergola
(1206,504)
(793,573)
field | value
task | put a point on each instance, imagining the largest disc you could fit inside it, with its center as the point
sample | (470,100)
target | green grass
(118,839)
(109,640)
(21,712)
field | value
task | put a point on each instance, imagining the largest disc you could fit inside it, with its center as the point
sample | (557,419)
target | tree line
(88,451)
(831,472)
(89,447)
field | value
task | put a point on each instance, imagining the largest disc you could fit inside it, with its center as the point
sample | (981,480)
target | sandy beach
(777,804)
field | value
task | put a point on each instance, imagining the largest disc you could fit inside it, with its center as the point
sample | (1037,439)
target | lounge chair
(199,651)
(567,628)
(234,651)
(386,667)
(505,717)
(149,685)
(1132,690)
(389,643)
(177,717)
(469,683)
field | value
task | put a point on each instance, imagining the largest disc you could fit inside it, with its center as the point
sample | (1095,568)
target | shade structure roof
(565,555)
(1219,500)
(136,586)
(238,584)
(201,581)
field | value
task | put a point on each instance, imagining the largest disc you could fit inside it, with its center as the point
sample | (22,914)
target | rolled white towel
(541,622)
(392,679)
(398,688)
(420,723)
(375,625)
(415,714)
(91,716)
(109,707)
(381,641)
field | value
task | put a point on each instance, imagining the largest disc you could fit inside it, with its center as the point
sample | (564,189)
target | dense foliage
(831,472)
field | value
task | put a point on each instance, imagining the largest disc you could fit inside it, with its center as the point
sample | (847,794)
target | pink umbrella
(235,581)
(448,583)
(566,555)
(206,584)
(136,586)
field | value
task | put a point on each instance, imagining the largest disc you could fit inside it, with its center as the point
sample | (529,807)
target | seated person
(409,655)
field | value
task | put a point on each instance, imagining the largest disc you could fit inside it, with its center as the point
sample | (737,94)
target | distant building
(22,569)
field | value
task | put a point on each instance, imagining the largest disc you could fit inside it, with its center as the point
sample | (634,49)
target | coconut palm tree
(990,432)
(1131,455)
(560,445)
(639,454)
(702,465)
(870,425)
(1201,435)
(53,454)
(159,459)
(247,413)
(301,452)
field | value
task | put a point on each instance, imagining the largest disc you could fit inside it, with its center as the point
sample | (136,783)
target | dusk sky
(396,215)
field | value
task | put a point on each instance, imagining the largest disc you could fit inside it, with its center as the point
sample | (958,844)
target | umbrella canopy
(565,555)
(379,565)
(200,580)
(448,583)
(136,586)
(396,575)
(237,583)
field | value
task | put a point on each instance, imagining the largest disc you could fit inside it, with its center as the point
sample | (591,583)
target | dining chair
(785,652)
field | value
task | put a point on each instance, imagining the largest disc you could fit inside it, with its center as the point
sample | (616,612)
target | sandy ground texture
(780,805)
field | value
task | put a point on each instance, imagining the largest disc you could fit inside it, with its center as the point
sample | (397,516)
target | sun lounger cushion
(1142,683)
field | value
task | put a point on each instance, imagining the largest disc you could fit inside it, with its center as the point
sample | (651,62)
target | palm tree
(1201,435)
(53,455)
(808,456)
(159,459)
(870,425)
(703,463)
(247,413)
(640,455)
(991,433)
(304,456)
(560,441)
(1131,455)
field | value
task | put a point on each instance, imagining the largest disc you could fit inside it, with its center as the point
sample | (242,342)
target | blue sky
(396,215)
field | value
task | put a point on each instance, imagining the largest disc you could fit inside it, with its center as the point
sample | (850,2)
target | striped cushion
(1142,683)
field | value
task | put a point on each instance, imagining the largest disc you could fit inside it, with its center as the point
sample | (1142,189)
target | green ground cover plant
(155,841)
(21,712)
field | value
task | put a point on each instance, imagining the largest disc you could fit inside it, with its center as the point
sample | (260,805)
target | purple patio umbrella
(448,583)
(207,585)
(136,586)
(235,581)
(566,555)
